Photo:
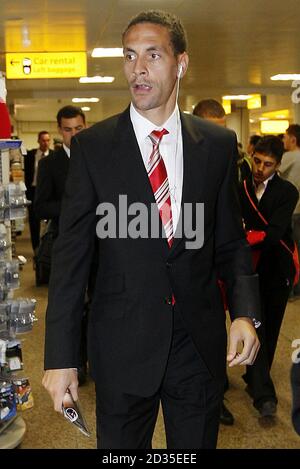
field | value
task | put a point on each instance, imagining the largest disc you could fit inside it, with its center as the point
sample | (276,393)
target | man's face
(289,142)
(70,127)
(44,142)
(150,67)
(263,167)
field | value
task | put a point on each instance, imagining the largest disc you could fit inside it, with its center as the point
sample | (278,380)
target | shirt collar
(45,153)
(67,150)
(265,183)
(143,127)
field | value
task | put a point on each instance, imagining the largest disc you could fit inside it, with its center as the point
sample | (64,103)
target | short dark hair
(294,129)
(254,139)
(270,145)
(68,112)
(42,132)
(209,108)
(168,21)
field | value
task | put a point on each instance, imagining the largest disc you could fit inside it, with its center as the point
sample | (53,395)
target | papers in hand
(72,412)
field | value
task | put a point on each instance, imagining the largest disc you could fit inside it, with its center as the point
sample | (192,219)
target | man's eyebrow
(149,49)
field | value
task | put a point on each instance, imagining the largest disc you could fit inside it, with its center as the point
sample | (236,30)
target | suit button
(168,300)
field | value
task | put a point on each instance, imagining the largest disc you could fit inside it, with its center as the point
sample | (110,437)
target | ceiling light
(274,127)
(286,76)
(85,108)
(238,97)
(107,52)
(85,100)
(96,79)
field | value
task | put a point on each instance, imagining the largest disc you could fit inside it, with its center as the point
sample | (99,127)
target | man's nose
(140,67)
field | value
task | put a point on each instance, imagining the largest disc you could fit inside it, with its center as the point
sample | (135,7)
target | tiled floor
(46,429)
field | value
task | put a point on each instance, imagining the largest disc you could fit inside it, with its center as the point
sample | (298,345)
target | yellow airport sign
(46,65)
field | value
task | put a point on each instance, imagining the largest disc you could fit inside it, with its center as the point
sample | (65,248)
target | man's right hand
(57,381)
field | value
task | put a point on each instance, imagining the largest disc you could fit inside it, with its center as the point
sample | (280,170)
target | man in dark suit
(31,161)
(157,326)
(275,199)
(53,170)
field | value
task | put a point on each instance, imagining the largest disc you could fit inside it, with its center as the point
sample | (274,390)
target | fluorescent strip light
(96,79)
(286,77)
(274,127)
(85,100)
(108,52)
(238,97)
(85,108)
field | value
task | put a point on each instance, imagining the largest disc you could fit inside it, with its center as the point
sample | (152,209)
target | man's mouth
(141,87)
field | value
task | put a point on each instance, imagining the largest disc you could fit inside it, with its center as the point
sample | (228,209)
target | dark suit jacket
(130,327)
(29,162)
(277,204)
(51,180)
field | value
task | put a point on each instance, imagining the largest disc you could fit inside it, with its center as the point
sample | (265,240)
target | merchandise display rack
(13,430)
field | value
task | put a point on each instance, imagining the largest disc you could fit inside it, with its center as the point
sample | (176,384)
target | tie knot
(157,135)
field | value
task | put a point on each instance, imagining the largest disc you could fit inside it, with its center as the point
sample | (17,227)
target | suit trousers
(258,375)
(190,399)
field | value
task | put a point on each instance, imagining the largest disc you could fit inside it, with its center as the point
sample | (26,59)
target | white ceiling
(234,46)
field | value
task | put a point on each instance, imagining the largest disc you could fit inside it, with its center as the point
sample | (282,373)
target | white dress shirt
(260,189)
(67,150)
(171,150)
(38,156)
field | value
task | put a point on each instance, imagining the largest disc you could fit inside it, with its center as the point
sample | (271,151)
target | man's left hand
(242,331)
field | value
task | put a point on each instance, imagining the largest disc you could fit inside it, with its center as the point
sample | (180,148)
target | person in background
(212,110)
(51,181)
(157,327)
(53,170)
(31,161)
(290,170)
(253,139)
(268,203)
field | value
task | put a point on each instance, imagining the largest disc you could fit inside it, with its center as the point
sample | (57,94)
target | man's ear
(183,62)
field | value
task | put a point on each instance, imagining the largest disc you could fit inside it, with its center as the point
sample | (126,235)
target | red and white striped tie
(160,185)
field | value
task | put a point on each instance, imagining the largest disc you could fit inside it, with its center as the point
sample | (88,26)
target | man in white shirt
(157,326)
(31,161)
(267,203)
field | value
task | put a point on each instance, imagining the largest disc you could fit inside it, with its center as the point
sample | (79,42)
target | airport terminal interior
(53,54)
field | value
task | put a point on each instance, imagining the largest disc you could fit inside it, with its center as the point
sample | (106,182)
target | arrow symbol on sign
(13,62)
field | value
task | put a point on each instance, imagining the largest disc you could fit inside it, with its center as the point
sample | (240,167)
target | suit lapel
(195,158)
(127,161)
(267,195)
